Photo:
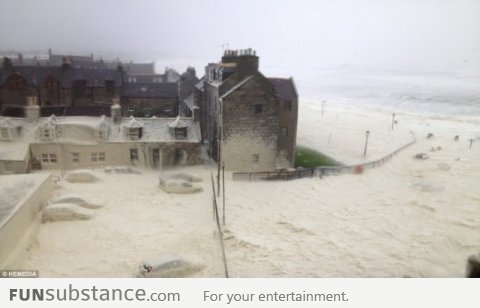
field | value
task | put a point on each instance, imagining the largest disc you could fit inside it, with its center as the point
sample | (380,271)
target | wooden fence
(273,175)
(317,171)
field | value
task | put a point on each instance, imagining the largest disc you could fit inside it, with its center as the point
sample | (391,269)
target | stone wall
(288,120)
(14,166)
(250,132)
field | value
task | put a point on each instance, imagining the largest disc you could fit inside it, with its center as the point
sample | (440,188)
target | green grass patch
(308,158)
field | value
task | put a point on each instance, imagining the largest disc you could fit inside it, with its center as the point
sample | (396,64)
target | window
(258,108)
(110,87)
(134,133)
(49,158)
(131,108)
(75,157)
(284,132)
(133,154)
(287,106)
(98,156)
(256,158)
(180,133)
(47,133)
(102,134)
(147,109)
(4,133)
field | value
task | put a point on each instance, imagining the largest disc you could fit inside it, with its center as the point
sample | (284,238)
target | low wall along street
(17,221)
(318,171)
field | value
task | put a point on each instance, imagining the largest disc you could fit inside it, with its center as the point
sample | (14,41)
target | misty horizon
(292,38)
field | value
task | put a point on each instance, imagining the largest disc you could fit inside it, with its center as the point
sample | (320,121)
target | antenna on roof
(225,47)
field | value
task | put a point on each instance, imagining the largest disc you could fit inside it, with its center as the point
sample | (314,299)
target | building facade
(74,142)
(248,121)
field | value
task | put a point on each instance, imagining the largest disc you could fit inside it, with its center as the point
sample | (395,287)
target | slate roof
(178,123)
(189,101)
(150,90)
(284,88)
(139,68)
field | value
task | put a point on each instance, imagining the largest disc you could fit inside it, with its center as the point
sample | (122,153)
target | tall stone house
(248,121)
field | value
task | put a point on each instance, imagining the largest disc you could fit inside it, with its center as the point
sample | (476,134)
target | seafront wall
(317,171)
(14,228)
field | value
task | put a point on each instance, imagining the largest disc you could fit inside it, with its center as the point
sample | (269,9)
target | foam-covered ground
(410,217)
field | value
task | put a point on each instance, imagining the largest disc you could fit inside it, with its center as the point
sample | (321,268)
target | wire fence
(317,171)
(216,217)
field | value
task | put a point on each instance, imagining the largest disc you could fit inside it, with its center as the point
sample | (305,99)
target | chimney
(246,60)
(32,110)
(116,111)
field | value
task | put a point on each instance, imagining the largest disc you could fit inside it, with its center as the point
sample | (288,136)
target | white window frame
(133,133)
(49,158)
(102,133)
(48,133)
(97,157)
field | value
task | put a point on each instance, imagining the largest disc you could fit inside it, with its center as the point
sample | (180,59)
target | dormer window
(102,134)
(134,133)
(178,128)
(47,130)
(103,130)
(133,129)
(47,133)
(5,133)
(180,133)
(9,130)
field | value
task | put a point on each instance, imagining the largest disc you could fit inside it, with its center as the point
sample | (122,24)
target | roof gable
(284,88)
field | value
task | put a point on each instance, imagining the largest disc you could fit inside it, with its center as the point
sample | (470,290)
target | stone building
(90,88)
(249,121)
(60,90)
(150,99)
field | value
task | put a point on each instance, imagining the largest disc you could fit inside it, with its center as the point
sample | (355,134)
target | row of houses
(83,86)
(234,114)
(72,142)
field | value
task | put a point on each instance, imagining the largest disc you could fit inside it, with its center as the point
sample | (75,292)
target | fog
(289,36)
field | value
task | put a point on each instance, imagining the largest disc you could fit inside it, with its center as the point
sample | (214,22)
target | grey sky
(288,35)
